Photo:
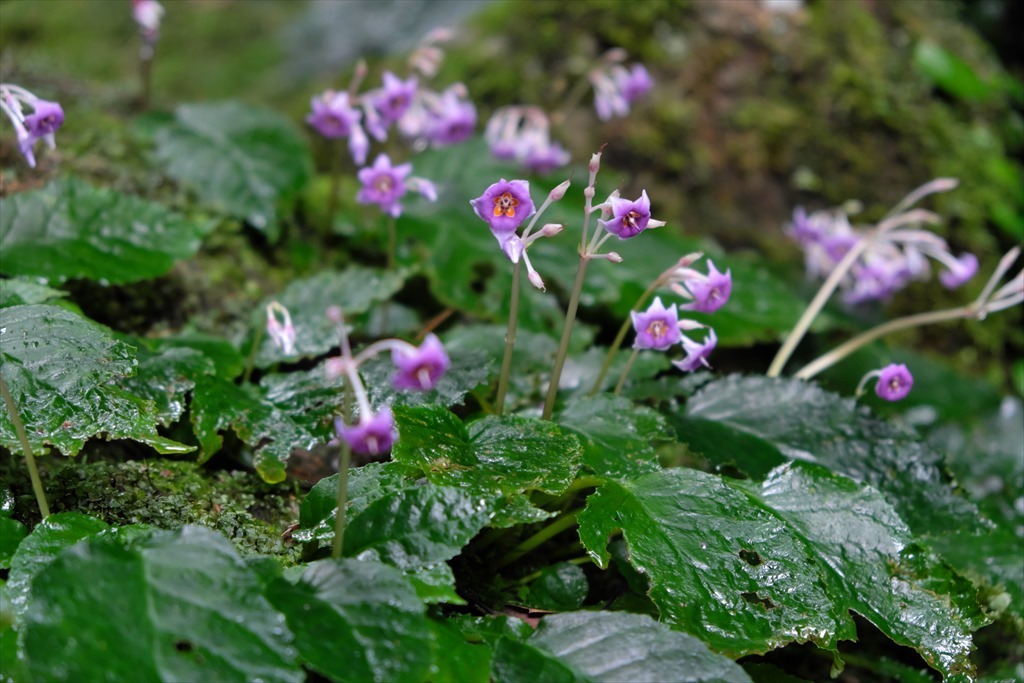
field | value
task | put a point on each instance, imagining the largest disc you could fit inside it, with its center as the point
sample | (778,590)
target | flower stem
(510,340)
(550,531)
(845,349)
(830,285)
(625,372)
(563,345)
(621,336)
(145,79)
(30,460)
(251,360)
(392,243)
(335,191)
(340,520)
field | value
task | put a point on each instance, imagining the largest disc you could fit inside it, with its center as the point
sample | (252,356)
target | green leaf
(51,536)
(950,73)
(434,584)
(610,646)
(70,229)
(505,455)
(559,588)
(15,291)
(355,290)
(469,369)
(12,532)
(758,423)
(227,361)
(357,621)
(457,659)
(188,609)
(617,435)
(239,159)
(60,368)
(748,567)
(166,377)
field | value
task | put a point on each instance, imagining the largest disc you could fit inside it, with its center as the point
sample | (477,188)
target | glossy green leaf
(610,646)
(60,368)
(504,455)
(357,621)
(15,291)
(188,608)
(166,378)
(617,435)
(758,423)
(355,290)
(457,659)
(12,532)
(227,361)
(48,539)
(748,567)
(70,229)
(284,413)
(559,588)
(239,159)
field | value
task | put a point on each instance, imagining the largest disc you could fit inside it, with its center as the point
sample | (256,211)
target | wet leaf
(456,658)
(748,567)
(61,370)
(559,588)
(239,159)
(15,291)
(12,532)
(188,608)
(357,621)
(70,229)
(757,423)
(617,435)
(506,455)
(166,378)
(610,646)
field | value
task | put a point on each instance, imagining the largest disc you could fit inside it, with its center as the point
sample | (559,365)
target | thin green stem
(547,533)
(613,350)
(845,349)
(837,275)
(145,78)
(335,191)
(251,360)
(510,339)
(625,372)
(30,460)
(392,243)
(563,345)
(340,518)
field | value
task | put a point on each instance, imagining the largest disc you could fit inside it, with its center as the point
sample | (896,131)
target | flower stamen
(505,205)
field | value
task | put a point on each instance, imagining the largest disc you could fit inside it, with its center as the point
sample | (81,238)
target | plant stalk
(251,360)
(510,340)
(625,372)
(545,534)
(563,345)
(613,350)
(340,520)
(30,460)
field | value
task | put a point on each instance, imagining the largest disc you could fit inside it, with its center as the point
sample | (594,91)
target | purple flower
(504,206)
(147,14)
(634,83)
(628,217)
(45,120)
(894,382)
(395,98)
(384,185)
(960,271)
(657,327)
(332,116)
(420,368)
(281,332)
(373,435)
(710,292)
(697,353)
(453,122)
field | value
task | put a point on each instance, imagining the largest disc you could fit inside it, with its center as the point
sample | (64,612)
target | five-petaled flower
(697,353)
(657,327)
(709,292)
(384,185)
(372,435)
(420,368)
(894,382)
(628,217)
(504,206)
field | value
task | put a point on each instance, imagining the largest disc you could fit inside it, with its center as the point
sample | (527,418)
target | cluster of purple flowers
(660,328)
(417,368)
(616,86)
(890,261)
(523,134)
(147,14)
(41,124)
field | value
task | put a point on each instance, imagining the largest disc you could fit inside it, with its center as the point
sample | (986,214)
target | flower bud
(559,191)
(551,229)
(595,163)
(536,280)
(334,314)
(588,192)
(614,257)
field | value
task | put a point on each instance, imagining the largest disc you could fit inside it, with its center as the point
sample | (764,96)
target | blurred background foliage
(759,106)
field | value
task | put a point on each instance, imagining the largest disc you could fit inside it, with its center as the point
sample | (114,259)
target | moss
(166,494)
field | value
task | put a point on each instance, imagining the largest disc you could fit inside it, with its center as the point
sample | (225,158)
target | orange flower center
(505,205)
(657,329)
